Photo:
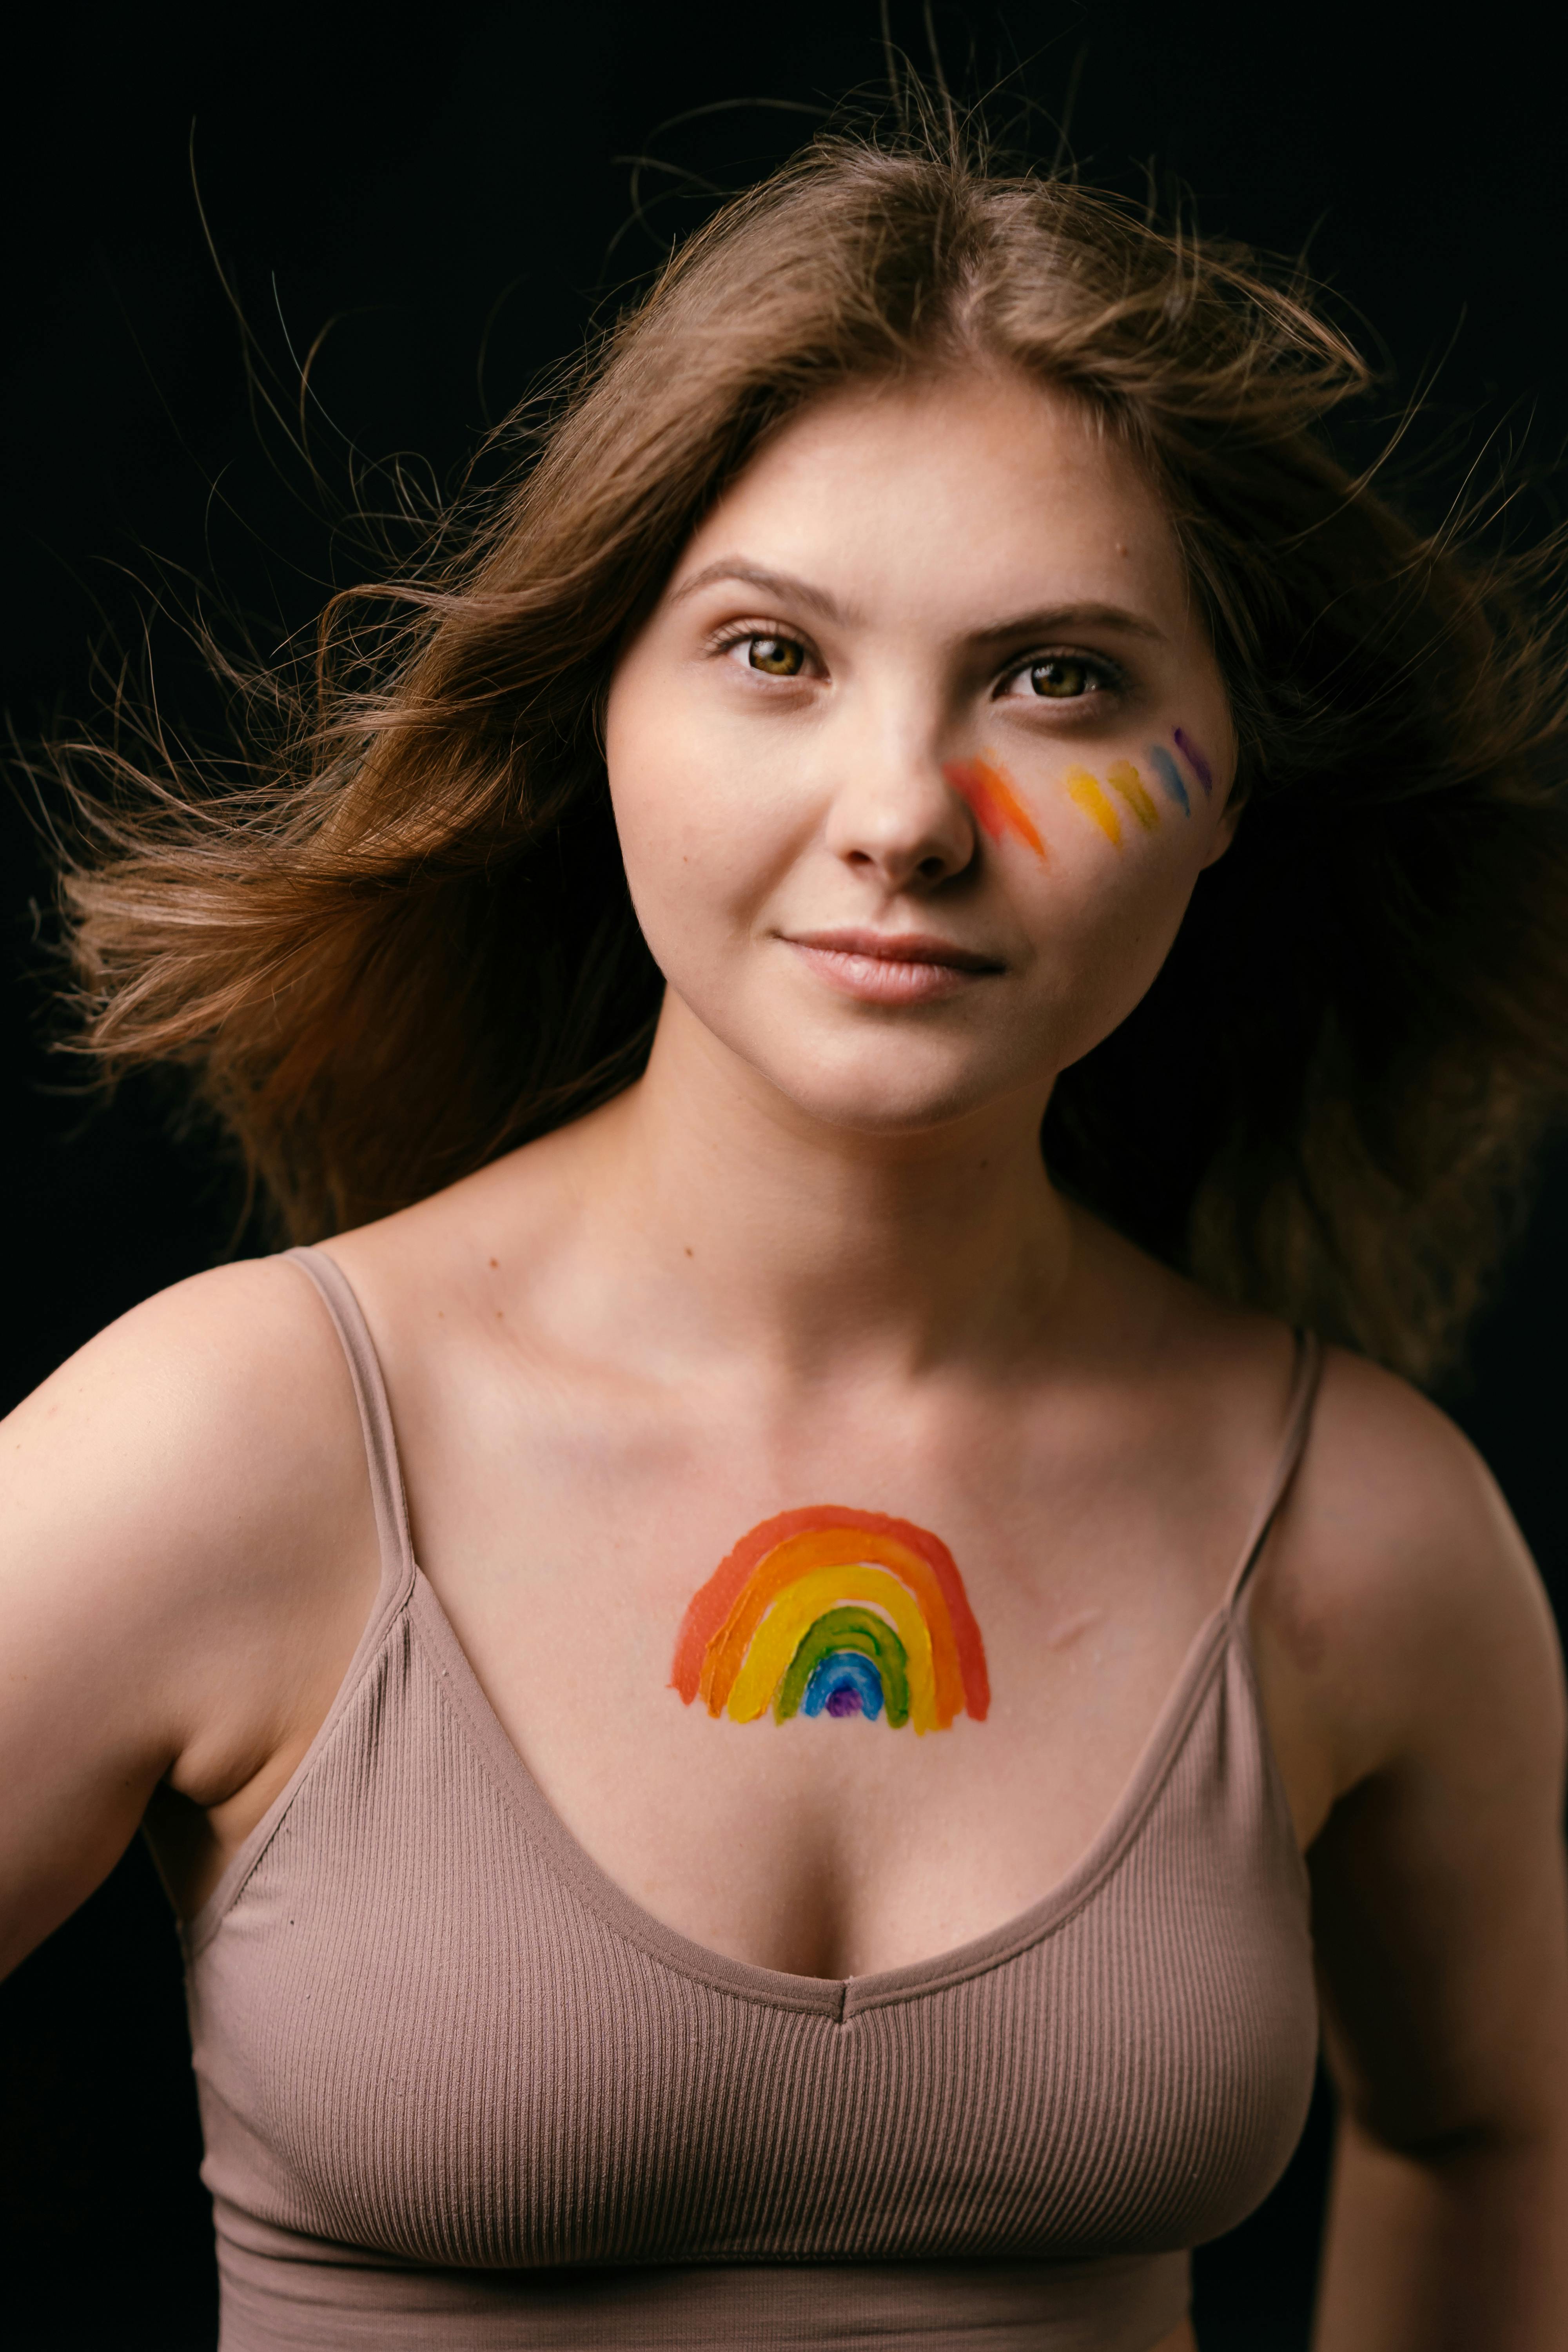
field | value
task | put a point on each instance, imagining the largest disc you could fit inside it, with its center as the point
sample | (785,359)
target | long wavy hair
(398,941)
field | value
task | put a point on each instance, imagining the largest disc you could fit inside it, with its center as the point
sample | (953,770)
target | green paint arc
(849,1628)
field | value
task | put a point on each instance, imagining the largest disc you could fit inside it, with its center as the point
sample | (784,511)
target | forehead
(980,488)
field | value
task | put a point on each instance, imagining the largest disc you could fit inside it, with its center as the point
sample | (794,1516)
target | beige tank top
(460,2091)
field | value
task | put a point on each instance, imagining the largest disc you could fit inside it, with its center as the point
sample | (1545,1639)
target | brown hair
(403,943)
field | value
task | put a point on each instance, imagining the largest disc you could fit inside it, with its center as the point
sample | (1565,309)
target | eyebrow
(782,585)
(1048,621)
(1051,618)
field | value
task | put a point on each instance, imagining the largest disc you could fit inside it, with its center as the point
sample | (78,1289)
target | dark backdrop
(448,187)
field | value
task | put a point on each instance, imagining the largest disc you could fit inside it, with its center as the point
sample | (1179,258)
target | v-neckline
(831,1997)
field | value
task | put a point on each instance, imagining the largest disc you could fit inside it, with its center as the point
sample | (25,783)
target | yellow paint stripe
(1083,788)
(1124,778)
(797,1609)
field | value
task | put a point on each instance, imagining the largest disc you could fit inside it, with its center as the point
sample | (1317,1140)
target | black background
(446,186)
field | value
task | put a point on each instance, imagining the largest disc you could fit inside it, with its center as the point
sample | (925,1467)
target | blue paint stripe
(1170,775)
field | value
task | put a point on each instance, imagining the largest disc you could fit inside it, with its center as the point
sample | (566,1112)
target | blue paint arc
(838,1670)
(1170,776)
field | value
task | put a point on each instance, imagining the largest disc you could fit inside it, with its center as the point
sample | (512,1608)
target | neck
(749,1225)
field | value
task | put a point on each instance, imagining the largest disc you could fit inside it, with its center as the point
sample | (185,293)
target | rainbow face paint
(1195,759)
(1085,790)
(1129,788)
(1124,780)
(1170,777)
(996,805)
(834,1611)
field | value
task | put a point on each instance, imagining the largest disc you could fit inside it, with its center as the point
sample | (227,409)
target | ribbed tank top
(460,2091)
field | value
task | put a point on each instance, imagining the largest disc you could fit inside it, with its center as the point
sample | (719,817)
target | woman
(813,1853)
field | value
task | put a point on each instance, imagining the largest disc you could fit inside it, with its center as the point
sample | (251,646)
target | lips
(892,967)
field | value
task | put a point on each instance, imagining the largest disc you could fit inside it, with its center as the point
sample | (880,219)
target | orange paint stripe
(996,806)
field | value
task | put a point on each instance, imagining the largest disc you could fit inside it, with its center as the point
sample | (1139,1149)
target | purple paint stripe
(1195,759)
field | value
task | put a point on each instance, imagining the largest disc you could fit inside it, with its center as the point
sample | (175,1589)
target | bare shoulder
(1414,1684)
(1399,1605)
(184,1514)
(201,1428)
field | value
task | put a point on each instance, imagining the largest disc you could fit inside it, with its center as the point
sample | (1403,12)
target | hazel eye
(778,657)
(1061,678)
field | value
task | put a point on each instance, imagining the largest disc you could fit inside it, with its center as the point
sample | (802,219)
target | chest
(824,1698)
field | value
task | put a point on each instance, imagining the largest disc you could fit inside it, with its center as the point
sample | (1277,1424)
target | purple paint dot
(845,1700)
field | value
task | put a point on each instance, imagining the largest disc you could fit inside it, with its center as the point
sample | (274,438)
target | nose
(896,818)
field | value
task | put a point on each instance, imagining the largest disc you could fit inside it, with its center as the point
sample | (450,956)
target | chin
(888,1092)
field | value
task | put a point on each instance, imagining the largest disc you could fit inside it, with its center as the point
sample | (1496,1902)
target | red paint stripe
(996,806)
(710,1606)
(982,804)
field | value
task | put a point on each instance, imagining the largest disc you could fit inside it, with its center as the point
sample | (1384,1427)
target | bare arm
(1440,1906)
(1441,1924)
(183,1570)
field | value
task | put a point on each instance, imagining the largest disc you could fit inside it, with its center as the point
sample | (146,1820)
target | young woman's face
(917,759)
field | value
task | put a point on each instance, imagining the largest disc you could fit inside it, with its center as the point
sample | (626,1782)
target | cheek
(1164,791)
(661,792)
(1125,845)
(704,802)
(684,836)
(1104,909)
(703,836)
(1117,825)
(1102,936)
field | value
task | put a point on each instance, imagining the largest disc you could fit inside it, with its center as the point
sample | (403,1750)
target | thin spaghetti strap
(1298,1420)
(375,1416)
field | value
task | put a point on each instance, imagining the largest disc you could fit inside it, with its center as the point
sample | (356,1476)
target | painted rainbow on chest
(833,1611)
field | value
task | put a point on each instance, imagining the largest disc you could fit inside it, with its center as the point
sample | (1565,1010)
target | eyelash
(745,633)
(1105,677)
